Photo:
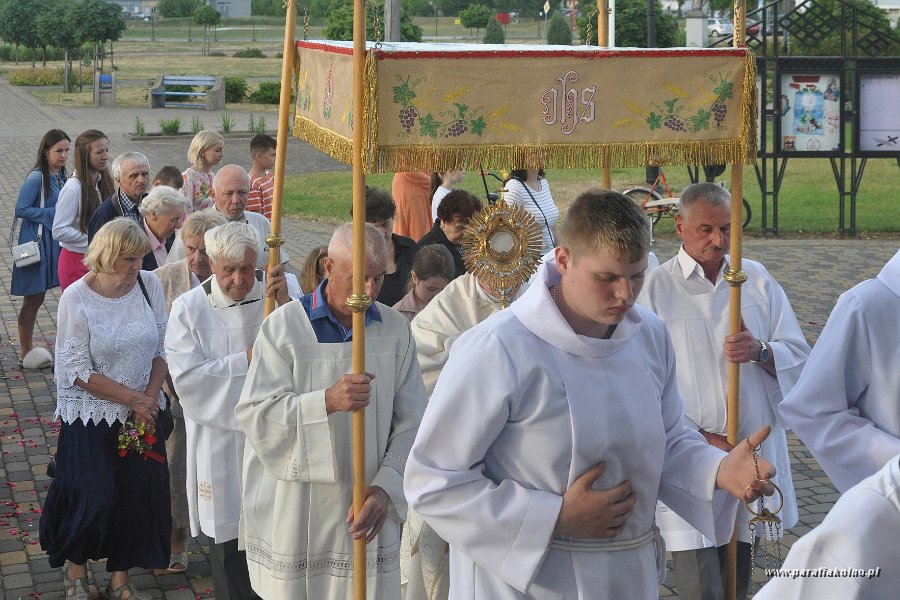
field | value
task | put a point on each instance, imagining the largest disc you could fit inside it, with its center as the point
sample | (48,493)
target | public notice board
(436,107)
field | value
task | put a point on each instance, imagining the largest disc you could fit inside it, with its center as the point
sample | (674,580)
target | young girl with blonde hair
(207,150)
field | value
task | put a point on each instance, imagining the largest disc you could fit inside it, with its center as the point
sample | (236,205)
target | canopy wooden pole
(735,278)
(274,239)
(603,42)
(358,301)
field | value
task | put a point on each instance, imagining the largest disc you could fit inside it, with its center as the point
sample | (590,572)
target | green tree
(558,32)
(106,23)
(456,7)
(631,25)
(173,9)
(340,25)
(207,16)
(476,17)
(267,8)
(418,8)
(493,33)
(868,18)
(18,25)
(56,27)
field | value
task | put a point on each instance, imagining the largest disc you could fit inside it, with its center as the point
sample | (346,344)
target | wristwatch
(763,353)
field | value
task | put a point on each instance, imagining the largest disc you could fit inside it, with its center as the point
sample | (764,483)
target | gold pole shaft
(274,239)
(602,24)
(359,279)
(603,42)
(734,313)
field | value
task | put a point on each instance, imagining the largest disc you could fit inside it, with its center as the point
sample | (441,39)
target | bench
(213,98)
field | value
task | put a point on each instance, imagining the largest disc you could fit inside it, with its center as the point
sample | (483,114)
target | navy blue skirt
(101,505)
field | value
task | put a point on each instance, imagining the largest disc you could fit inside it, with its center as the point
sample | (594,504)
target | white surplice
(524,407)
(424,556)
(846,405)
(297,463)
(696,312)
(206,347)
(859,533)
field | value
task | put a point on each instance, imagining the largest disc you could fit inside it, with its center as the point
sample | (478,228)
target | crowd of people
(554,449)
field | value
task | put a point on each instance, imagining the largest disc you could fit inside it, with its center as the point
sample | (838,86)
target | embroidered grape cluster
(408,116)
(457,128)
(719,110)
(674,123)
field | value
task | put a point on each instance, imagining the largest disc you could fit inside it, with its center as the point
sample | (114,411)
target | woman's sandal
(179,562)
(118,593)
(76,589)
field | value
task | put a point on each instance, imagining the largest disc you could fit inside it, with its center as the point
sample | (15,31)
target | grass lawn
(808,202)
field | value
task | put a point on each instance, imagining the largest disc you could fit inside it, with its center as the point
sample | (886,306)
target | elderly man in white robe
(295,409)
(177,278)
(463,304)
(689,293)
(853,554)
(208,345)
(846,405)
(556,425)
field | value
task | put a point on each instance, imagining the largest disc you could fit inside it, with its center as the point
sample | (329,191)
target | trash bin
(105,90)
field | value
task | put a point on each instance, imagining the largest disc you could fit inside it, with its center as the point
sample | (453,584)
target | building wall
(232,8)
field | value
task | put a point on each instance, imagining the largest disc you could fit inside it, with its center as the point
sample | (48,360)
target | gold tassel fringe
(336,146)
(559,156)
(749,110)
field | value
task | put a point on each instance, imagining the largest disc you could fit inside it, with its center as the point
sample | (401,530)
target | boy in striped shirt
(262,152)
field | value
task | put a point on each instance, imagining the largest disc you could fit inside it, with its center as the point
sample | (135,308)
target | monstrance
(502,247)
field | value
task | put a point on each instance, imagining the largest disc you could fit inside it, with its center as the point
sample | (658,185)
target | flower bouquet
(136,438)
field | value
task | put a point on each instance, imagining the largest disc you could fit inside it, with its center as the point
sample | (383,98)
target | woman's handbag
(29,253)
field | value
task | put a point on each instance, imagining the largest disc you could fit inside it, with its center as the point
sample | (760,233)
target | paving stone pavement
(812,271)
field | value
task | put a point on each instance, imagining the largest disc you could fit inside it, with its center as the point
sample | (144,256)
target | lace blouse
(114,337)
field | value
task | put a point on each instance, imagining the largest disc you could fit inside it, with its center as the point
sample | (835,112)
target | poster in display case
(810,110)
(879,114)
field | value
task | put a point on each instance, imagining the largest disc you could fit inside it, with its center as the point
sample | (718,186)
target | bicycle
(656,206)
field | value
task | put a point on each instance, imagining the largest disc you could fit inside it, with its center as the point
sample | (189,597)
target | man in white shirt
(230,191)
(846,405)
(556,424)
(691,296)
(211,331)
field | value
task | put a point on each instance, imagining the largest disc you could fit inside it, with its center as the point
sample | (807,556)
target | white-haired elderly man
(295,410)
(131,170)
(161,212)
(230,191)
(208,342)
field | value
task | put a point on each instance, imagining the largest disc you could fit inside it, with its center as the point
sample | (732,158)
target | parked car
(755,28)
(719,27)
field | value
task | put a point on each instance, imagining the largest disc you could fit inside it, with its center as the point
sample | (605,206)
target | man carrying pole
(691,293)
(295,410)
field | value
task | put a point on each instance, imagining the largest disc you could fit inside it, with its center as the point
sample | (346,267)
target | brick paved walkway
(813,272)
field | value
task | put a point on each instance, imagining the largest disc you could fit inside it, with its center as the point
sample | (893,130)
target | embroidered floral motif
(205,490)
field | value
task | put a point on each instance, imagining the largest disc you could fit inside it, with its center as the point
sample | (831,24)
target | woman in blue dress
(33,281)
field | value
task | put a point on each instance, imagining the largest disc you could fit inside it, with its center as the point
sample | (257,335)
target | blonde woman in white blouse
(529,189)
(110,369)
